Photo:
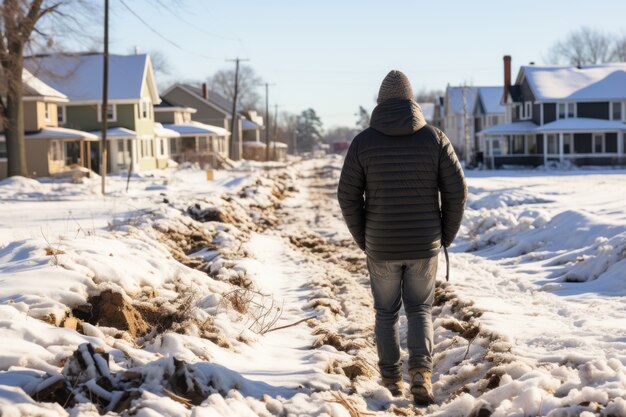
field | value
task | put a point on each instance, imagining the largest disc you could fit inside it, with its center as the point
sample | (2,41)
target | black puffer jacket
(391,181)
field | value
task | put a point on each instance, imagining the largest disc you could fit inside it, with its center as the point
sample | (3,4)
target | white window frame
(61,114)
(568,106)
(144,109)
(58,146)
(569,136)
(555,138)
(113,117)
(621,113)
(602,137)
(527,110)
(46,111)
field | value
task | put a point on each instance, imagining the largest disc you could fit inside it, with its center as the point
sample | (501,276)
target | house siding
(38,157)
(205,113)
(85,117)
(549,112)
(594,110)
(536,114)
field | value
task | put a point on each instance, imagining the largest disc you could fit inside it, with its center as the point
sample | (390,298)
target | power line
(156,32)
(193,25)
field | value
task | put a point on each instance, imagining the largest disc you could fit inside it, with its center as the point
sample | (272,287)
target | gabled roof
(79,76)
(215,98)
(454,99)
(34,87)
(197,93)
(571,83)
(490,98)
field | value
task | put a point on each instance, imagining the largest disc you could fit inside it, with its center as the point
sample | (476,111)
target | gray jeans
(411,283)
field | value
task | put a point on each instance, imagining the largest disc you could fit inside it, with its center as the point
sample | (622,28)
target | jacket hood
(397,117)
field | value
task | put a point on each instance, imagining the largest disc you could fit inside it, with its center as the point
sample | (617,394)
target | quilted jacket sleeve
(350,194)
(453,191)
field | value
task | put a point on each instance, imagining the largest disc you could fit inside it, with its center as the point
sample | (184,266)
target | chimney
(205,91)
(507,77)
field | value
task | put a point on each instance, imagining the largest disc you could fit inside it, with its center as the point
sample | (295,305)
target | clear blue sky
(332,55)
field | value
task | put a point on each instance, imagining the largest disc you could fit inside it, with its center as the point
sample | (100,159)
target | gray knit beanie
(395,85)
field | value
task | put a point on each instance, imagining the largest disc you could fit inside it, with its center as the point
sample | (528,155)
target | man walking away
(402,194)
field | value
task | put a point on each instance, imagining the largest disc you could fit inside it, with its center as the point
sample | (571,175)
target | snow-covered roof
(250,125)
(574,124)
(117,133)
(510,129)
(79,76)
(428,110)
(454,99)
(34,87)
(197,128)
(580,124)
(587,83)
(61,133)
(162,132)
(273,144)
(491,97)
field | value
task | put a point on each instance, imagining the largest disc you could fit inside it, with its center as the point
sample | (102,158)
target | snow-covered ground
(245,296)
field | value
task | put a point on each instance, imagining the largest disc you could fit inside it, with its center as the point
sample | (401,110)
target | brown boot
(421,386)
(394,385)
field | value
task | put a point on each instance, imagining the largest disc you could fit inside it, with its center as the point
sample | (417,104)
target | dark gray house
(560,113)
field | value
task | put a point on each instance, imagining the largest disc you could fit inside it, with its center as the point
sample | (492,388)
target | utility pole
(235,147)
(105,99)
(466,132)
(275,127)
(267,121)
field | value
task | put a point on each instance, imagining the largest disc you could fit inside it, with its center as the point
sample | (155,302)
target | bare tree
(619,49)
(160,63)
(363,118)
(425,95)
(26,25)
(582,47)
(248,98)
(17,25)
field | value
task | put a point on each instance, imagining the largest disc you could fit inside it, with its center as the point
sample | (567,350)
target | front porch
(578,141)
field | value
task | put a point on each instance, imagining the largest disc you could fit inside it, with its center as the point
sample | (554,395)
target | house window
(616,111)
(3,150)
(553,144)
(527,110)
(598,143)
(532,144)
(61,115)
(46,111)
(56,151)
(517,145)
(568,143)
(173,146)
(163,143)
(203,144)
(567,110)
(147,148)
(111,113)
(145,111)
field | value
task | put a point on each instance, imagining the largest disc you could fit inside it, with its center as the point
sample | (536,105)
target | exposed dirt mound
(112,309)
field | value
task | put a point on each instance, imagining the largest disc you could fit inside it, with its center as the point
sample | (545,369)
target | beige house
(50,150)
(133,143)
(195,141)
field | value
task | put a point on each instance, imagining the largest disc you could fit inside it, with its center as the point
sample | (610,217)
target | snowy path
(531,324)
